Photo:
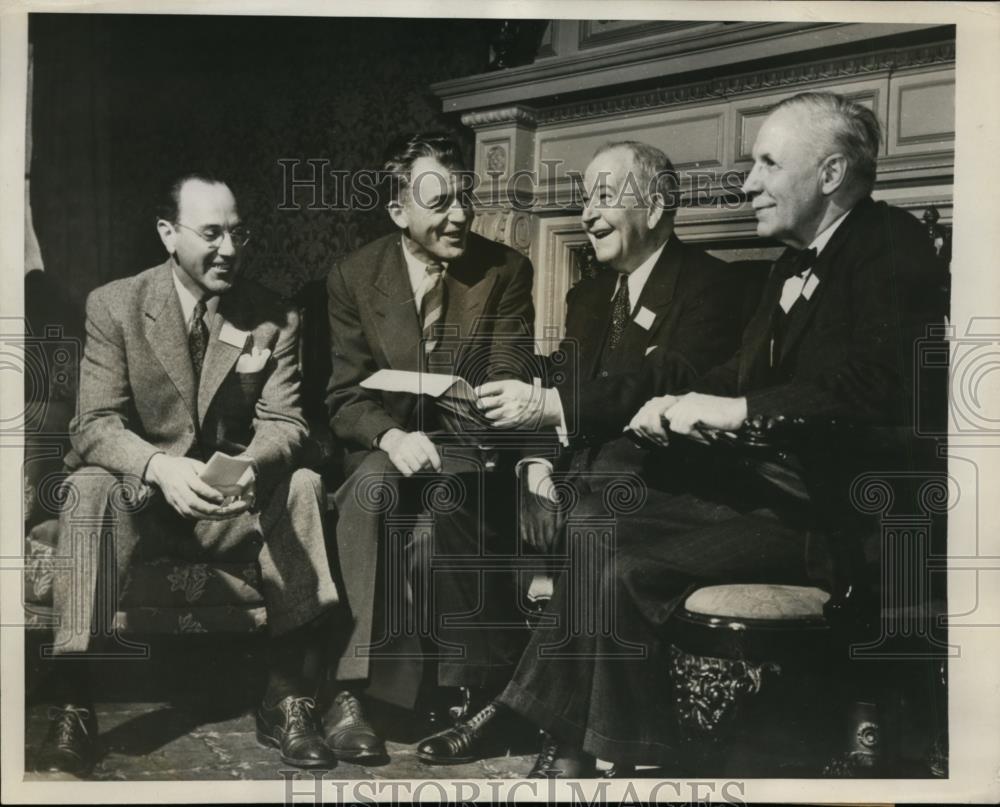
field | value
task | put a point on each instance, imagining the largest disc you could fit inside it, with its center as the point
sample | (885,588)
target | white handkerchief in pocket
(650,349)
(253,362)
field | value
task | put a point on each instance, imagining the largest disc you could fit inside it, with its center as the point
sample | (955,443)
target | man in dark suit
(437,298)
(181,361)
(658,297)
(834,335)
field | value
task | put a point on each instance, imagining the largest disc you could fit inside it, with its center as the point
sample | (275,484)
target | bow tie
(795,262)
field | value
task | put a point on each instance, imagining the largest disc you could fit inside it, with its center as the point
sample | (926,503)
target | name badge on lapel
(644,318)
(232,335)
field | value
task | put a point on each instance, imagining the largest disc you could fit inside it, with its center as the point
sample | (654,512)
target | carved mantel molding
(747,83)
(652,58)
(519,115)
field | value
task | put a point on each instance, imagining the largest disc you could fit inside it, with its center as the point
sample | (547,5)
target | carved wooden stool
(744,658)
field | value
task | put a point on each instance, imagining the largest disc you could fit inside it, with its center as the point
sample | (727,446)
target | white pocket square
(650,349)
(253,362)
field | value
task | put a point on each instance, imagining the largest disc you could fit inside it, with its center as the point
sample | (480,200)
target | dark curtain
(123,102)
(70,172)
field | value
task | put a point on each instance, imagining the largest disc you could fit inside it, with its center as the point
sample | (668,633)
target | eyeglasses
(214,236)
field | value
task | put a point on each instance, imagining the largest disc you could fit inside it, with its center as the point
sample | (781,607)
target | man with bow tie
(182,361)
(834,335)
(433,297)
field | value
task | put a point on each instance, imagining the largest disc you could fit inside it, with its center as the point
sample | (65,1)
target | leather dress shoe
(351,736)
(478,737)
(555,762)
(293,727)
(70,746)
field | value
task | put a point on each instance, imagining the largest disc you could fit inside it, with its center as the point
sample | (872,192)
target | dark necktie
(621,308)
(198,338)
(432,305)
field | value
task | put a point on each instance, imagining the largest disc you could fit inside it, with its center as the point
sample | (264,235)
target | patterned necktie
(198,338)
(621,308)
(432,305)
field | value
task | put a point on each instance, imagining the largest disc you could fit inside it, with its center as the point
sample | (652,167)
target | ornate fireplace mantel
(699,91)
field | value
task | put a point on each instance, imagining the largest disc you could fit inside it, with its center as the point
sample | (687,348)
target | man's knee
(372,488)
(91,484)
(305,484)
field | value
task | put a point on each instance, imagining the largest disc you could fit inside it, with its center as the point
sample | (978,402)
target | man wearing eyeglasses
(437,298)
(182,361)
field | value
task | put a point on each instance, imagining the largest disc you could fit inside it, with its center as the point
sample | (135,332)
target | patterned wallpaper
(121,102)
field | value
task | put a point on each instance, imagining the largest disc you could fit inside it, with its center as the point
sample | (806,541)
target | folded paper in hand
(451,392)
(228,475)
(253,362)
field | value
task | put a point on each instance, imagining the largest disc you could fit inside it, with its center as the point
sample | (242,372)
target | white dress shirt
(797,285)
(637,278)
(189,301)
(416,269)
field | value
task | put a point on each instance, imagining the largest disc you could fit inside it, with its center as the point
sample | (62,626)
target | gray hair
(654,172)
(853,129)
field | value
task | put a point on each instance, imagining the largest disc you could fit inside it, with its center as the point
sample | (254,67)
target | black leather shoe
(478,737)
(70,746)
(293,727)
(556,762)
(351,737)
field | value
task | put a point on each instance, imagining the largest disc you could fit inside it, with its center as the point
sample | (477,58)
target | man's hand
(410,451)
(648,421)
(710,411)
(177,478)
(512,404)
(540,520)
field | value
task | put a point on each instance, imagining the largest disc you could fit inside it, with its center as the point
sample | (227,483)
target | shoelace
(300,713)
(480,717)
(65,716)
(350,705)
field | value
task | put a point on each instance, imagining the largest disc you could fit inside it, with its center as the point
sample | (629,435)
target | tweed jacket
(137,385)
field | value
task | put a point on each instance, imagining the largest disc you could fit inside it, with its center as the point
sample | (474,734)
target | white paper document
(228,475)
(451,392)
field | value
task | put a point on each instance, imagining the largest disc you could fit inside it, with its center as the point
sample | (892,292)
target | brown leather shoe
(293,727)
(559,762)
(351,737)
(70,746)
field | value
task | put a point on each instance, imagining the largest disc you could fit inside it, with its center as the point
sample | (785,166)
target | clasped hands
(179,479)
(685,414)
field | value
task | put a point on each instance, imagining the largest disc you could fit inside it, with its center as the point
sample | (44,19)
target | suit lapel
(656,296)
(219,356)
(398,326)
(755,354)
(804,310)
(166,334)
(598,320)
(468,290)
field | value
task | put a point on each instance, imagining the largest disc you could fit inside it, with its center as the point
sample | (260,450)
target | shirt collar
(821,240)
(416,270)
(637,278)
(188,300)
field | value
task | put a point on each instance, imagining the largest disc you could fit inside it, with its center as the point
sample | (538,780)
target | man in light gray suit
(181,361)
